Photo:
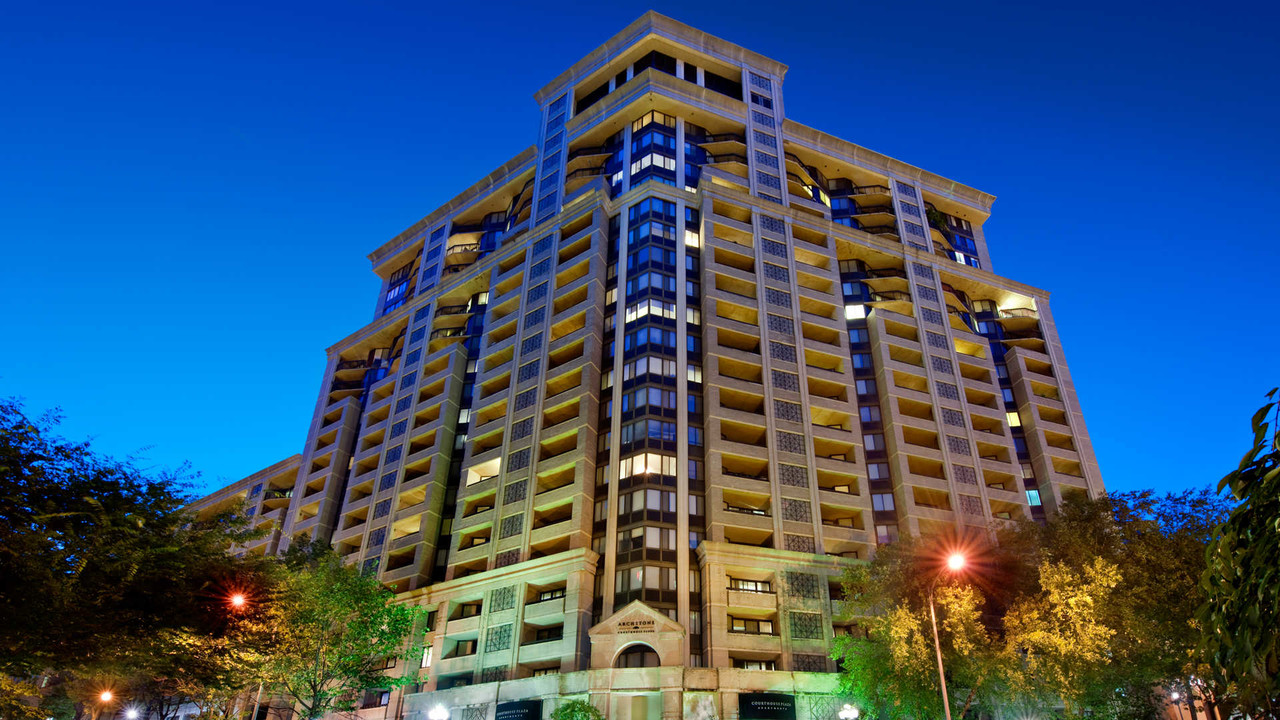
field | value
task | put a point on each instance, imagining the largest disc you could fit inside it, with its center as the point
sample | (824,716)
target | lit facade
(631,402)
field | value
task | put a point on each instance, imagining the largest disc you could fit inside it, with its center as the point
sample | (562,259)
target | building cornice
(478,191)
(858,155)
(653,23)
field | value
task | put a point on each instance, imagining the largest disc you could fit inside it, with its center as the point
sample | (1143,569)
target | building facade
(630,403)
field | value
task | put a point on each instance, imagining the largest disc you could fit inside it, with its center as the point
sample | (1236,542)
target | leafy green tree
(103,572)
(1088,612)
(1241,583)
(576,710)
(331,629)
(891,667)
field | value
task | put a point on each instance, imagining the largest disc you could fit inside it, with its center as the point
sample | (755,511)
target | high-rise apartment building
(630,403)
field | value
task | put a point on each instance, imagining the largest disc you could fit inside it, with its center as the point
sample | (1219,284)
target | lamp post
(238,602)
(1175,696)
(848,712)
(955,563)
(104,699)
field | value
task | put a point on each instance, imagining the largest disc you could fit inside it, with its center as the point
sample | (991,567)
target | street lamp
(131,713)
(237,600)
(438,713)
(106,696)
(848,712)
(955,563)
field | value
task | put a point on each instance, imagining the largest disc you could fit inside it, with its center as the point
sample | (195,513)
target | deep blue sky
(188,190)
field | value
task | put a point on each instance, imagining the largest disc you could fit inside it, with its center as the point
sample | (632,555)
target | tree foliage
(1086,613)
(1241,583)
(331,630)
(576,710)
(103,573)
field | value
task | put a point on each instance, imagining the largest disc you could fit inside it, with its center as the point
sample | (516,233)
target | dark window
(722,85)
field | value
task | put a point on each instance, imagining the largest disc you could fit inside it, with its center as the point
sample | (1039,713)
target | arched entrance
(638,655)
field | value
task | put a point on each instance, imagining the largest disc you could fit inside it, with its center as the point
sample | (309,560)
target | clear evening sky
(188,190)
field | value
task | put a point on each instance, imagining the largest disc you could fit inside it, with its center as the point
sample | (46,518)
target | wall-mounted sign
(520,710)
(766,706)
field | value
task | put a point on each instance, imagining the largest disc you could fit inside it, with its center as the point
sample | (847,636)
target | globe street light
(106,696)
(955,563)
(438,713)
(131,713)
(237,600)
(848,712)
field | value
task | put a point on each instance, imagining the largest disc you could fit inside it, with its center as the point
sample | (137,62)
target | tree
(103,571)
(1241,583)
(892,667)
(576,710)
(1089,611)
(332,630)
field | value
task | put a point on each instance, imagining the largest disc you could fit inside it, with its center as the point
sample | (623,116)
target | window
(755,586)
(1033,498)
(762,101)
(886,534)
(878,471)
(865,387)
(750,626)
(882,502)
(861,361)
(745,664)
(1013,419)
(552,594)
(858,336)
(873,441)
(1008,395)
(869,413)
(647,464)
(465,647)
(855,312)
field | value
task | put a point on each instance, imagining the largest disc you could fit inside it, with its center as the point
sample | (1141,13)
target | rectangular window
(882,502)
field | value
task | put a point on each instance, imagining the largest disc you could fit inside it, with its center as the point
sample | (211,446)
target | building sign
(519,710)
(766,706)
(643,625)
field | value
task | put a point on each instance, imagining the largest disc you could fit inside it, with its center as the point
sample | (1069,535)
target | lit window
(882,501)
(1033,498)
(691,238)
(1013,419)
(855,312)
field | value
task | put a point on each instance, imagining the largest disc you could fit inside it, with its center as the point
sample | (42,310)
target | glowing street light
(131,713)
(438,712)
(106,696)
(237,600)
(955,563)
(848,712)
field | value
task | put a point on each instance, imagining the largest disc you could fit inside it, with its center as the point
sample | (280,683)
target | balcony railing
(448,333)
(746,510)
(453,310)
(886,273)
(891,296)
(464,248)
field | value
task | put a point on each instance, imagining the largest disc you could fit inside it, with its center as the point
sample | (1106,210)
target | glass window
(1033,498)
(882,501)
(869,413)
